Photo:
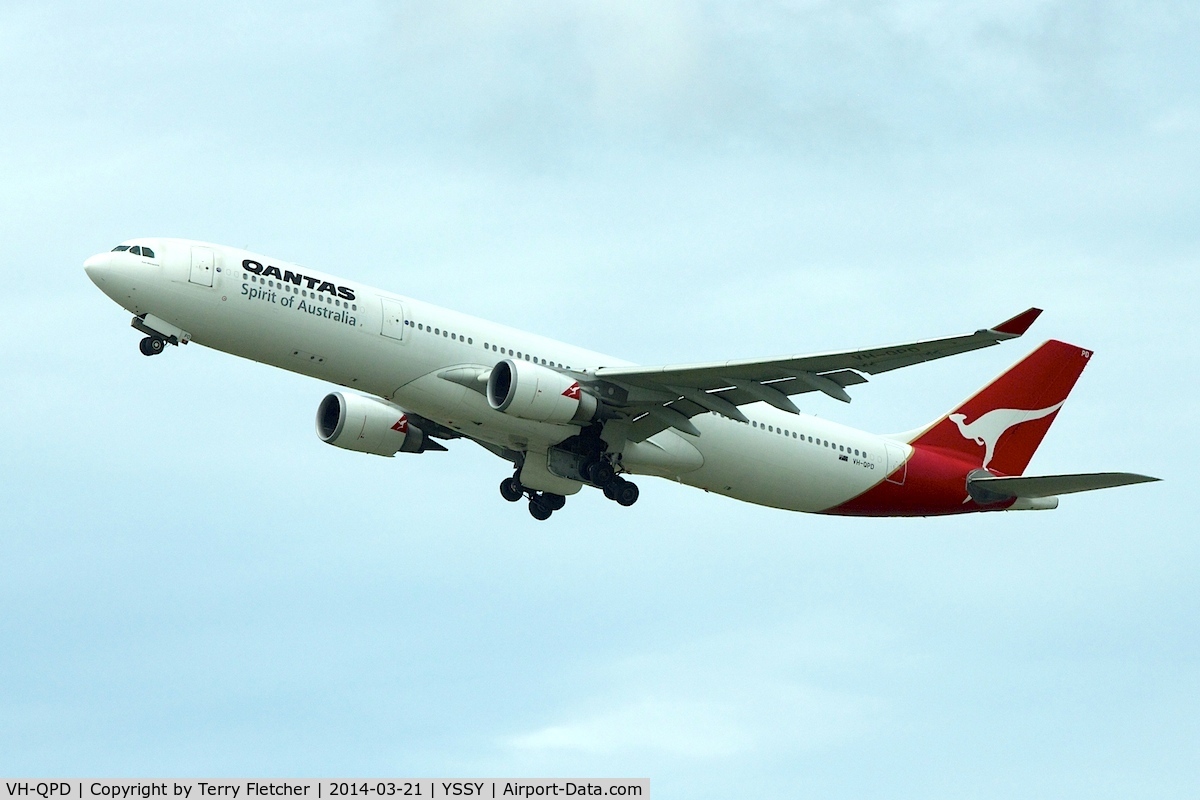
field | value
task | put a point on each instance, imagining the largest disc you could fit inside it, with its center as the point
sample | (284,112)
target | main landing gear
(541,504)
(152,345)
(601,473)
(622,491)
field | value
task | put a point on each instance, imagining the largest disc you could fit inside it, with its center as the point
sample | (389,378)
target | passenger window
(147,252)
(454,336)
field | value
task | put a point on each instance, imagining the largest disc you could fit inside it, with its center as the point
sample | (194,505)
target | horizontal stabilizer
(1028,486)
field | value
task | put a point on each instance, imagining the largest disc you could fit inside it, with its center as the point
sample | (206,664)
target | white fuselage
(378,343)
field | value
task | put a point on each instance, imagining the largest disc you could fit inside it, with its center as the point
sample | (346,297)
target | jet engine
(367,425)
(531,391)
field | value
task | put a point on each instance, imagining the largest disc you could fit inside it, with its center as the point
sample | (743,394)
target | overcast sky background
(192,584)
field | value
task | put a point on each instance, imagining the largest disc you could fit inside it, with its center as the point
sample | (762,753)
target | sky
(192,584)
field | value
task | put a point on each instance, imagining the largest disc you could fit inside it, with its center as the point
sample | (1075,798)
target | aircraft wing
(663,397)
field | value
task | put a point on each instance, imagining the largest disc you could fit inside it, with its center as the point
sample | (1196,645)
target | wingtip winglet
(1018,324)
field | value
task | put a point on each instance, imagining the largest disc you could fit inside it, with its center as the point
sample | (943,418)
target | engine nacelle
(367,425)
(531,391)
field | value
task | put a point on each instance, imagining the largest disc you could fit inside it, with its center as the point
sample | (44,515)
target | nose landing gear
(152,345)
(159,334)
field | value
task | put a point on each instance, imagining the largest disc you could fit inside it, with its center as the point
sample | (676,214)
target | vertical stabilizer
(1002,425)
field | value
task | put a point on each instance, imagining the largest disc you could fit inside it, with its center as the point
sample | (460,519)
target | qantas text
(297,279)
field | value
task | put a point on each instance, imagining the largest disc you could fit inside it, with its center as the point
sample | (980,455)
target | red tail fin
(1003,424)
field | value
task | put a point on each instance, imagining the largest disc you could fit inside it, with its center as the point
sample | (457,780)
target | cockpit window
(137,250)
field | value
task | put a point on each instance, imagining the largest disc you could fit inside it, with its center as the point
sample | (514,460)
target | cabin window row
(457,337)
(421,326)
(802,437)
(287,287)
(525,356)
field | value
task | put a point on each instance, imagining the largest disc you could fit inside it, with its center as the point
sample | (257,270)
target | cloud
(765,691)
(693,729)
(1177,121)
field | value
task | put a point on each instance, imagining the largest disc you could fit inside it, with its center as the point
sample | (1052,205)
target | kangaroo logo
(988,429)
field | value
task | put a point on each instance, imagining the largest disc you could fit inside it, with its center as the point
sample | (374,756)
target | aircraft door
(393,319)
(202,266)
(895,463)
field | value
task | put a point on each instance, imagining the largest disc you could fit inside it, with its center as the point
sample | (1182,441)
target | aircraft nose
(98,267)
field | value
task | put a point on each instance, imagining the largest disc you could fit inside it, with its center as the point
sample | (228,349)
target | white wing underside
(1034,486)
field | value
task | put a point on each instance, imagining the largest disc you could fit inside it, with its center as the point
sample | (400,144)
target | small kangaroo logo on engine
(989,427)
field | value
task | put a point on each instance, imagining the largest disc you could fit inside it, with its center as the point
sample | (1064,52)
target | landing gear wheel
(554,502)
(151,346)
(538,510)
(610,489)
(626,493)
(601,473)
(511,490)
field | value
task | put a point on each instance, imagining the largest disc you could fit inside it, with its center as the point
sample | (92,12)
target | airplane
(418,375)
